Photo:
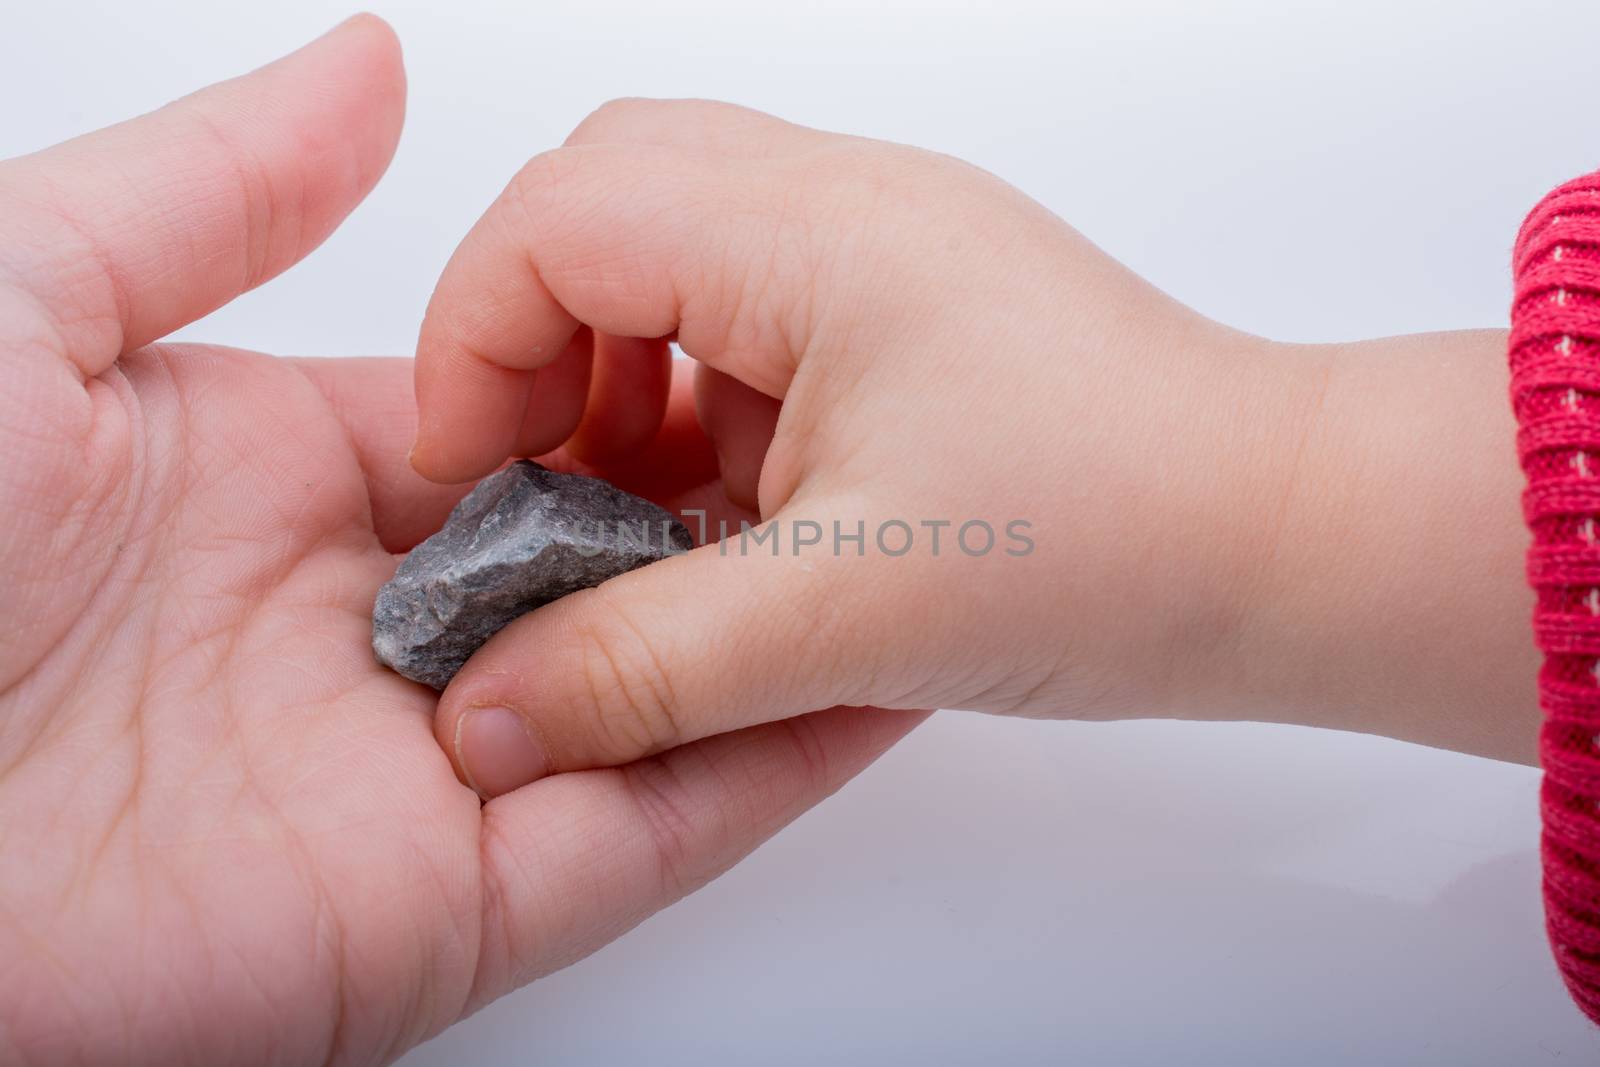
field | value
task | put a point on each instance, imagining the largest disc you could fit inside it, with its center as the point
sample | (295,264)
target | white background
(1143,893)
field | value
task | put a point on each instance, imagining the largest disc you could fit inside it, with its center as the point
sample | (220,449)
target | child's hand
(899,344)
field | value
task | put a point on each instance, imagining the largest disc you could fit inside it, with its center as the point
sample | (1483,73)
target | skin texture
(231,836)
(1225,527)
(236,839)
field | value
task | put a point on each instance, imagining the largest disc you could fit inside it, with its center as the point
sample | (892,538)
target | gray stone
(523,537)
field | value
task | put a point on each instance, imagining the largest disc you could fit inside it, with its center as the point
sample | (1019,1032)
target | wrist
(1244,448)
(1159,538)
(1388,595)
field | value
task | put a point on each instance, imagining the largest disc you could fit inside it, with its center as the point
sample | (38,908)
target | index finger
(631,239)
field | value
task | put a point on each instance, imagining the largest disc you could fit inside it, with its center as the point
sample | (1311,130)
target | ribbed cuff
(1555,391)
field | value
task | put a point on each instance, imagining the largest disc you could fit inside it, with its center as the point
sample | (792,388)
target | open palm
(228,835)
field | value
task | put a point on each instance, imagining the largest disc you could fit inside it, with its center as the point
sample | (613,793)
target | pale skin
(1225,527)
(236,838)
(229,835)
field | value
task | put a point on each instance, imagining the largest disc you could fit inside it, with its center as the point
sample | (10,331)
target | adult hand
(230,835)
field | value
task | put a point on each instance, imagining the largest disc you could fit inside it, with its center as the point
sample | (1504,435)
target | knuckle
(812,755)
(761,280)
(659,795)
(626,681)
(504,881)
(542,180)
(548,201)
(609,120)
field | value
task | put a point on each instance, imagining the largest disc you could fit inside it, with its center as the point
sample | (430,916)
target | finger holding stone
(691,646)
(557,397)
(678,460)
(627,397)
(372,398)
(632,240)
(522,538)
(740,422)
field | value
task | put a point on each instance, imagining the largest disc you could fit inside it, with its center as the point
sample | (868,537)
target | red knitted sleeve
(1555,390)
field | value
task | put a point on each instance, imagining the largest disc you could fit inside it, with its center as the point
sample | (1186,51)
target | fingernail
(496,751)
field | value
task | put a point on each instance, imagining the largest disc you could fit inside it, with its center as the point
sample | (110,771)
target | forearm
(1391,597)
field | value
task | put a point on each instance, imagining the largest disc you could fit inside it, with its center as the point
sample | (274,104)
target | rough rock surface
(523,537)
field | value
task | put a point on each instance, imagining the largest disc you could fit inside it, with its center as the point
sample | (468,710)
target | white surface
(1142,893)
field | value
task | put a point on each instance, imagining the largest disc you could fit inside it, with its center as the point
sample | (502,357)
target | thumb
(729,635)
